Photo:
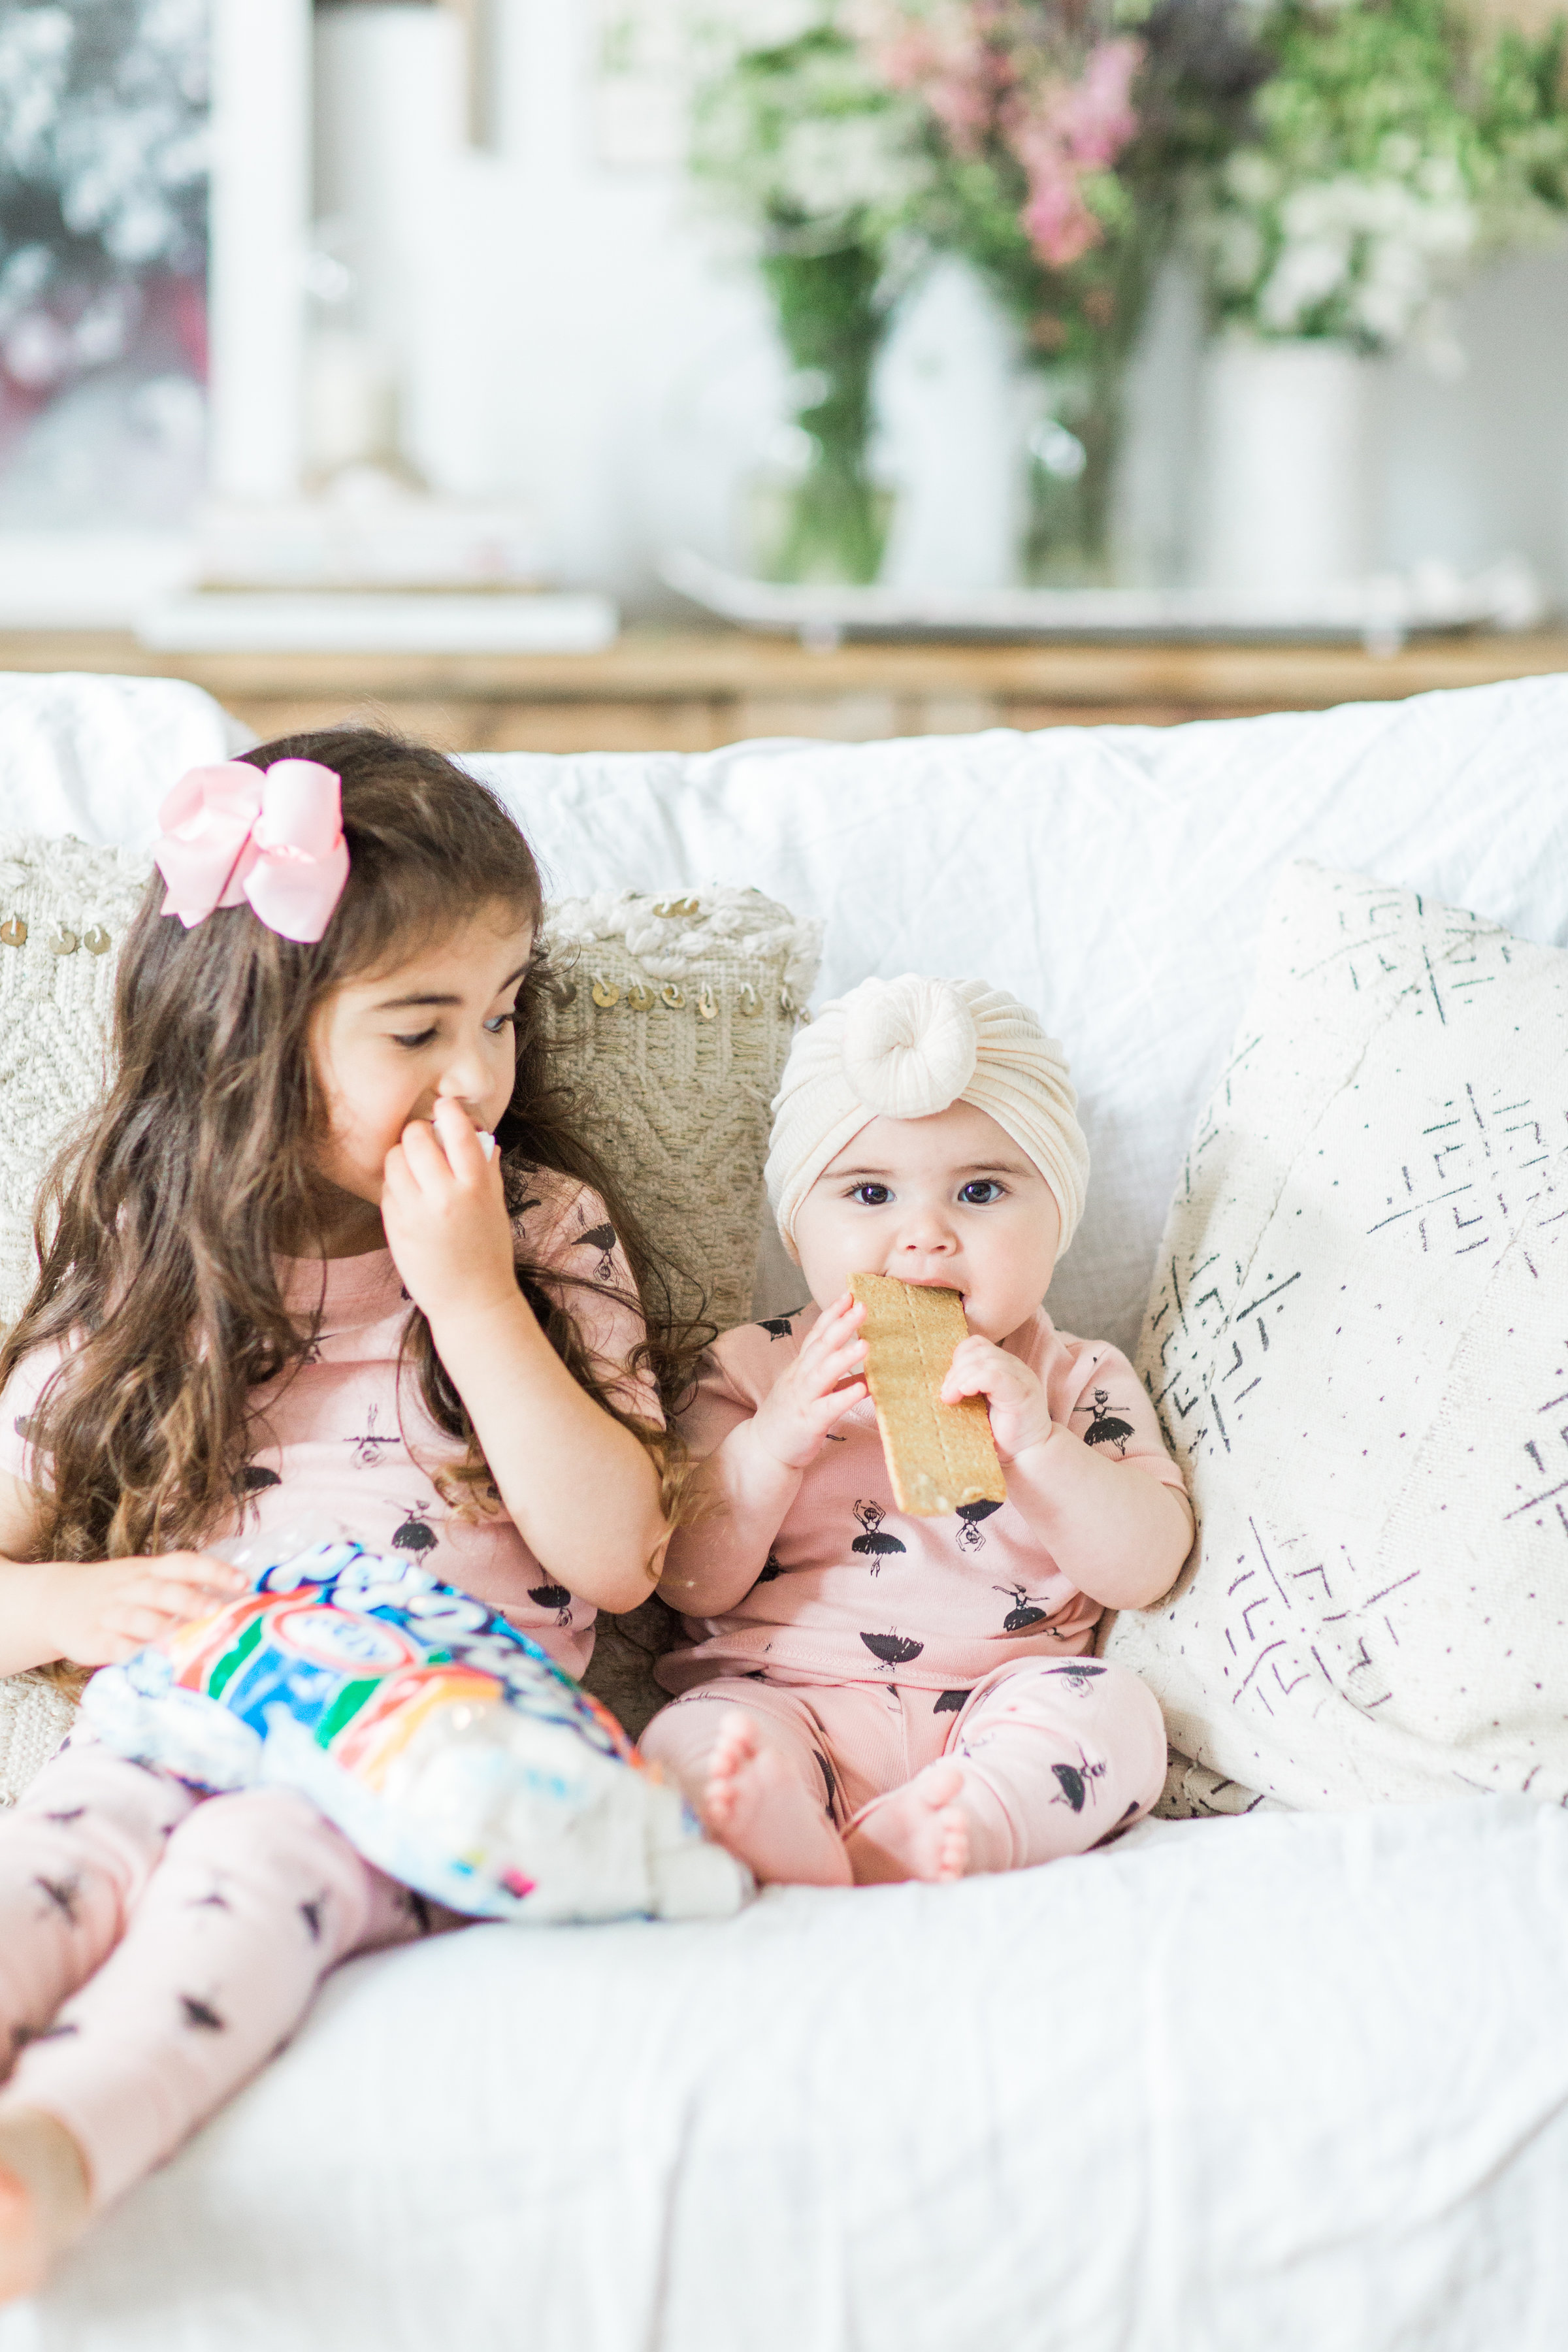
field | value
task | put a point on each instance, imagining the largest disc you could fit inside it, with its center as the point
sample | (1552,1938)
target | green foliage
(1393,147)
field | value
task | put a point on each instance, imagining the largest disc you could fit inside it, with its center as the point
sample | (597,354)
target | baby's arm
(92,1614)
(1119,1534)
(582,1492)
(745,1489)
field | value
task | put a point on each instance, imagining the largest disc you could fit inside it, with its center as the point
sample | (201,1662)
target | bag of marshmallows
(445,1744)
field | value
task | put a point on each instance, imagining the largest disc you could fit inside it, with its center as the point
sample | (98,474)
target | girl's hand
(1020,1417)
(792,1422)
(444,1209)
(99,1614)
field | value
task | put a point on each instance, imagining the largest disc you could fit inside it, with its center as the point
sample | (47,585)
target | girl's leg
(76,1852)
(751,1760)
(256,1898)
(75,1856)
(1044,1759)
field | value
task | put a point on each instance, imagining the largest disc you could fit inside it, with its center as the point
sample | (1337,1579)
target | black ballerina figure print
(415,1535)
(777,1327)
(603,1239)
(1106,1426)
(1079,1671)
(370,1445)
(969,1537)
(891,1650)
(773,1569)
(880,1547)
(251,1479)
(1075,1781)
(553,1596)
(1023,1614)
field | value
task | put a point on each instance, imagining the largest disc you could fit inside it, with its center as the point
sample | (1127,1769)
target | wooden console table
(692,691)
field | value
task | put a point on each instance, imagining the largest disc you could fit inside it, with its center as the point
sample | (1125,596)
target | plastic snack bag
(445,1746)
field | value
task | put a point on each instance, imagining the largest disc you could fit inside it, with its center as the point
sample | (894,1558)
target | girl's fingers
(426,1162)
(201,1570)
(396,1177)
(460,1142)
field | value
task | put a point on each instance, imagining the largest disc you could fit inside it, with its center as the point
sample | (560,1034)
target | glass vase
(817,513)
(1072,457)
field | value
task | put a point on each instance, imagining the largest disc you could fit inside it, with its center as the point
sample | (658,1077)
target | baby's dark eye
(981,1193)
(871,1196)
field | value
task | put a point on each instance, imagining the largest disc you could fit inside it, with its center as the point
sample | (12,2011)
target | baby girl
(870,1696)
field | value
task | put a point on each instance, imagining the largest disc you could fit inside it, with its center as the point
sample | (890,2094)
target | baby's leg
(747,1757)
(1044,1760)
(257,1898)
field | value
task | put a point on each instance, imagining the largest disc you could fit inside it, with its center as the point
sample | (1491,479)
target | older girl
(284,1269)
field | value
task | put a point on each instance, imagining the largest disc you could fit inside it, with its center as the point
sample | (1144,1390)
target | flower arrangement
(823,161)
(1044,140)
(1393,147)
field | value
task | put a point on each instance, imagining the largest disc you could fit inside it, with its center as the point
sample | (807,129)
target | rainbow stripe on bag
(341,1666)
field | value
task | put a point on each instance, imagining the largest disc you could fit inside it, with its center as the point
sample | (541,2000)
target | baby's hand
(1020,1417)
(444,1209)
(99,1614)
(793,1421)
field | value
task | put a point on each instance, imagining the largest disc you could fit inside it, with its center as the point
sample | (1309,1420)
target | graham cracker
(939,1456)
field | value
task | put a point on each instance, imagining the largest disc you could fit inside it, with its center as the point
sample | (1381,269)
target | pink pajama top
(343,1432)
(852,1592)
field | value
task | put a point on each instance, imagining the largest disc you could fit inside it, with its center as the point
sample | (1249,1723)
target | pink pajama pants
(156,1947)
(1055,1754)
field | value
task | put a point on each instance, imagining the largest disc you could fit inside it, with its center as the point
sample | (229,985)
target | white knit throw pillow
(671,1016)
(1357,1340)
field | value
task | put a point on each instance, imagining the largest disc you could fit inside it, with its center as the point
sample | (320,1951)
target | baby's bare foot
(921,1830)
(754,1807)
(43,2197)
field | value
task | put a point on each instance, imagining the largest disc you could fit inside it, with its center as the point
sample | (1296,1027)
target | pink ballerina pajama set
(172,1942)
(873,1644)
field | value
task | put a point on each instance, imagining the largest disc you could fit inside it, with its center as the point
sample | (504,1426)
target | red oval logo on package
(345,1643)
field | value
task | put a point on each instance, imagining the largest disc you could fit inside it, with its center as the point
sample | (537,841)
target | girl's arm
(582,1492)
(743,1490)
(91,1615)
(1117,1533)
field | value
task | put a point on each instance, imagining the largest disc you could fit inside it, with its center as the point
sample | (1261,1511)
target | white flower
(832,165)
(1308,271)
(1251,178)
(34,58)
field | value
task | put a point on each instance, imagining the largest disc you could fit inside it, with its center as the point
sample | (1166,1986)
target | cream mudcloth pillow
(673,1016)
(1357,1340)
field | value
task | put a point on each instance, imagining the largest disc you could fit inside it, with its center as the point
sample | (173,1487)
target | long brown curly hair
(157,1228)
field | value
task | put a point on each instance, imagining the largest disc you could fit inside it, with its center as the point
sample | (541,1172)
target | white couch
(1281,2082)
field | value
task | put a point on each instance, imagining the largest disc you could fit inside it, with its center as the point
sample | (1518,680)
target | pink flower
(942,57)
(1097,120)
(1061,132)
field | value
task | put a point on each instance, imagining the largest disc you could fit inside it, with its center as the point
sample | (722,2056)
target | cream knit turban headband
(906,1048)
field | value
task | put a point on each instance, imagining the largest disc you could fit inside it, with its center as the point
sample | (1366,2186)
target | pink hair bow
(232,833)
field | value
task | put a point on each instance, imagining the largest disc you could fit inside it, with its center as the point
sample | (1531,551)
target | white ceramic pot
(1284,491)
